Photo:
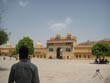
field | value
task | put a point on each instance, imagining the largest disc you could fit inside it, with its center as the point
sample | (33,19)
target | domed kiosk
(8,45)
(57,36)
(39,45)
(68,34)
(40,51)
(6,50)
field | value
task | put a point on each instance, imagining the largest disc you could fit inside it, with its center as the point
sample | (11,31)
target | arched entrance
(58,52)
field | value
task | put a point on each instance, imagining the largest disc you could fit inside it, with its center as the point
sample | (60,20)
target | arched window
(37,56)
(68,37)
(40,56)
(50,57)
(67,57)
(44,56)
(88,56)
(84,56)
(76,56)
(68,49)
(79,56)
(51,49)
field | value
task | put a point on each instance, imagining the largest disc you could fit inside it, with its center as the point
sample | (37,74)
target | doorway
(58,51)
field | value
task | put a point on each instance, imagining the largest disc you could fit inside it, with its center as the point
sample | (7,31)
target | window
(68,49)
(40,56)
(50,57)
(68,37)
(84,56)
(79,56)
(44,56)
(51,49)
(67,57)
(88,56)
(76,56)
(37,56)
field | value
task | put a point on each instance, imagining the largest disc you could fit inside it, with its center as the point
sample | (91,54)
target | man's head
(23,52)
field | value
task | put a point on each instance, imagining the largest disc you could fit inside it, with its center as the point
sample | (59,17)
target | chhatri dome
(57,35)
(68,34)
(8,45)
(39,45)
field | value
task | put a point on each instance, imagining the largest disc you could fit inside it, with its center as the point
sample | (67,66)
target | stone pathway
(61,71)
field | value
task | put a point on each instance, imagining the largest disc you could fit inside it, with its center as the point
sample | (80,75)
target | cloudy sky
(41,19)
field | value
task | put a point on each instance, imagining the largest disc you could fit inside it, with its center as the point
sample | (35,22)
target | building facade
(60,48)
(7,50)
(39,51)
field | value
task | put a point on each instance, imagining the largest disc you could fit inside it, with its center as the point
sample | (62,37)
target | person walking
(24,71)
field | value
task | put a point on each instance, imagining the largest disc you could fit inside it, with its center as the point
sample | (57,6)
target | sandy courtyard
(62,71)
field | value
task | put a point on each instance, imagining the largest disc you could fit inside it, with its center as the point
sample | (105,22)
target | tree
(14,52)
(108,54)
(3,36)
(0,52)
(100,49)
(28,42)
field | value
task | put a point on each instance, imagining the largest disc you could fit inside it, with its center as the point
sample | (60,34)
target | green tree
(108,54)
(100,49)
(0,52)
(28,42)
(14,52)
(3,36)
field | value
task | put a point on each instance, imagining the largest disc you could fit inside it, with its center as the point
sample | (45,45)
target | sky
(42,19)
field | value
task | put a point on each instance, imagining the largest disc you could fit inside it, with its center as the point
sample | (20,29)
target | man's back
(24,72)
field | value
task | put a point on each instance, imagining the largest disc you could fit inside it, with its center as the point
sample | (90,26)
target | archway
(58,51)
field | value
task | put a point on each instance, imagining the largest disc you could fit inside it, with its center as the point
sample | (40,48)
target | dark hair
(23,52)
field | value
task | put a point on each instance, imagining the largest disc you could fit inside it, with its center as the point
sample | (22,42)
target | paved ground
(62,71)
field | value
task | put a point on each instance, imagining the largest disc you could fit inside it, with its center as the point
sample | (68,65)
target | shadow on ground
(3,69)
(107,80)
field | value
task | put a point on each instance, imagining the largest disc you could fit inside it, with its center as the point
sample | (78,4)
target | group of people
(102,61)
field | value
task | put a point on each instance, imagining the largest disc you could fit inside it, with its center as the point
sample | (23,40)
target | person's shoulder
(15,65)
(33,66)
